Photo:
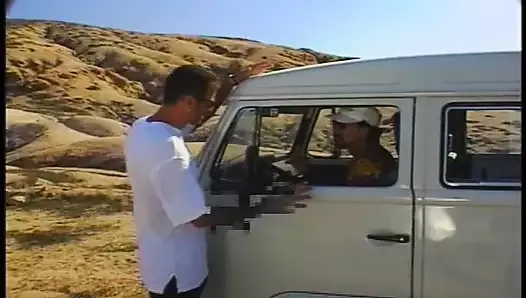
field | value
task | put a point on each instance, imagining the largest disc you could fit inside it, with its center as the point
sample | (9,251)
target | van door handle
(394,238)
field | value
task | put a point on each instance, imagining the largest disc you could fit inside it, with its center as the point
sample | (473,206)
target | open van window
(333,165)
(241,136)
(321,143)
(273,130)
(282,134)
(482,145)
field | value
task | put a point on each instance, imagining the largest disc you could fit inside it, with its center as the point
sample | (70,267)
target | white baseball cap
(369,115)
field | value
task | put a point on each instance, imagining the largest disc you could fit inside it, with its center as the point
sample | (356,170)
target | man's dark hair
(187,80)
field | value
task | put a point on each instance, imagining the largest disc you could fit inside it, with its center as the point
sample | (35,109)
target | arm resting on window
(183,199)
(181,195)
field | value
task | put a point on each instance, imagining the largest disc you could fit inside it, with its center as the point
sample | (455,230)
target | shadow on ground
(55,235)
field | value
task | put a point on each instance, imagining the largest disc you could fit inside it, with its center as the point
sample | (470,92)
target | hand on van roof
(239,74)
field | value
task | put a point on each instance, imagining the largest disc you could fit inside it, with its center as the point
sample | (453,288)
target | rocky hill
(70,69)
(89,83)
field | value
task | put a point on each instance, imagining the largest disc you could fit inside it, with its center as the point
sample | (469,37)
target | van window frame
(224,142)
(232,126)
(467,106)
(297,144)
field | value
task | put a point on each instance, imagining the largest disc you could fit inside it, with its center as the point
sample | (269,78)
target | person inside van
(358,131)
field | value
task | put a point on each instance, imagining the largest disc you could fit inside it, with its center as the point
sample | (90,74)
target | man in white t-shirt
(168,202)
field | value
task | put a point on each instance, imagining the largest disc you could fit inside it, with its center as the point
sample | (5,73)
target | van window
(239,137)
(482,145)
(276,136)
(332,164)
(321,142)
(279,132)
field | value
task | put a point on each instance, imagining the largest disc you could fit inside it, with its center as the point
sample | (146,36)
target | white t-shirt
(166,197)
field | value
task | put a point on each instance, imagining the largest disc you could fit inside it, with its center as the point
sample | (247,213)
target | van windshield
(210,128)
(276,137)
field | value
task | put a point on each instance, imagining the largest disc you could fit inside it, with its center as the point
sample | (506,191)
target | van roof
(469,73)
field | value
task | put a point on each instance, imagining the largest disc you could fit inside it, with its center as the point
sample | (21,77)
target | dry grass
(69,234)
(71,91)
(72,241)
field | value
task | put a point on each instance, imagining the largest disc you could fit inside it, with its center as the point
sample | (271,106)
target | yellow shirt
(371,170)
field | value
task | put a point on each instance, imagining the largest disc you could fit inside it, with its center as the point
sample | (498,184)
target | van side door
(351,241)
(469,215)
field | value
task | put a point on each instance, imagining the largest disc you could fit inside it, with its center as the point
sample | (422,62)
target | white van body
(463,237)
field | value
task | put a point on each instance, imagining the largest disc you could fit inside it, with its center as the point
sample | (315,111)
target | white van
(447,227)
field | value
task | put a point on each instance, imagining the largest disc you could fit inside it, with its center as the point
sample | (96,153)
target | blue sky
(362,28)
